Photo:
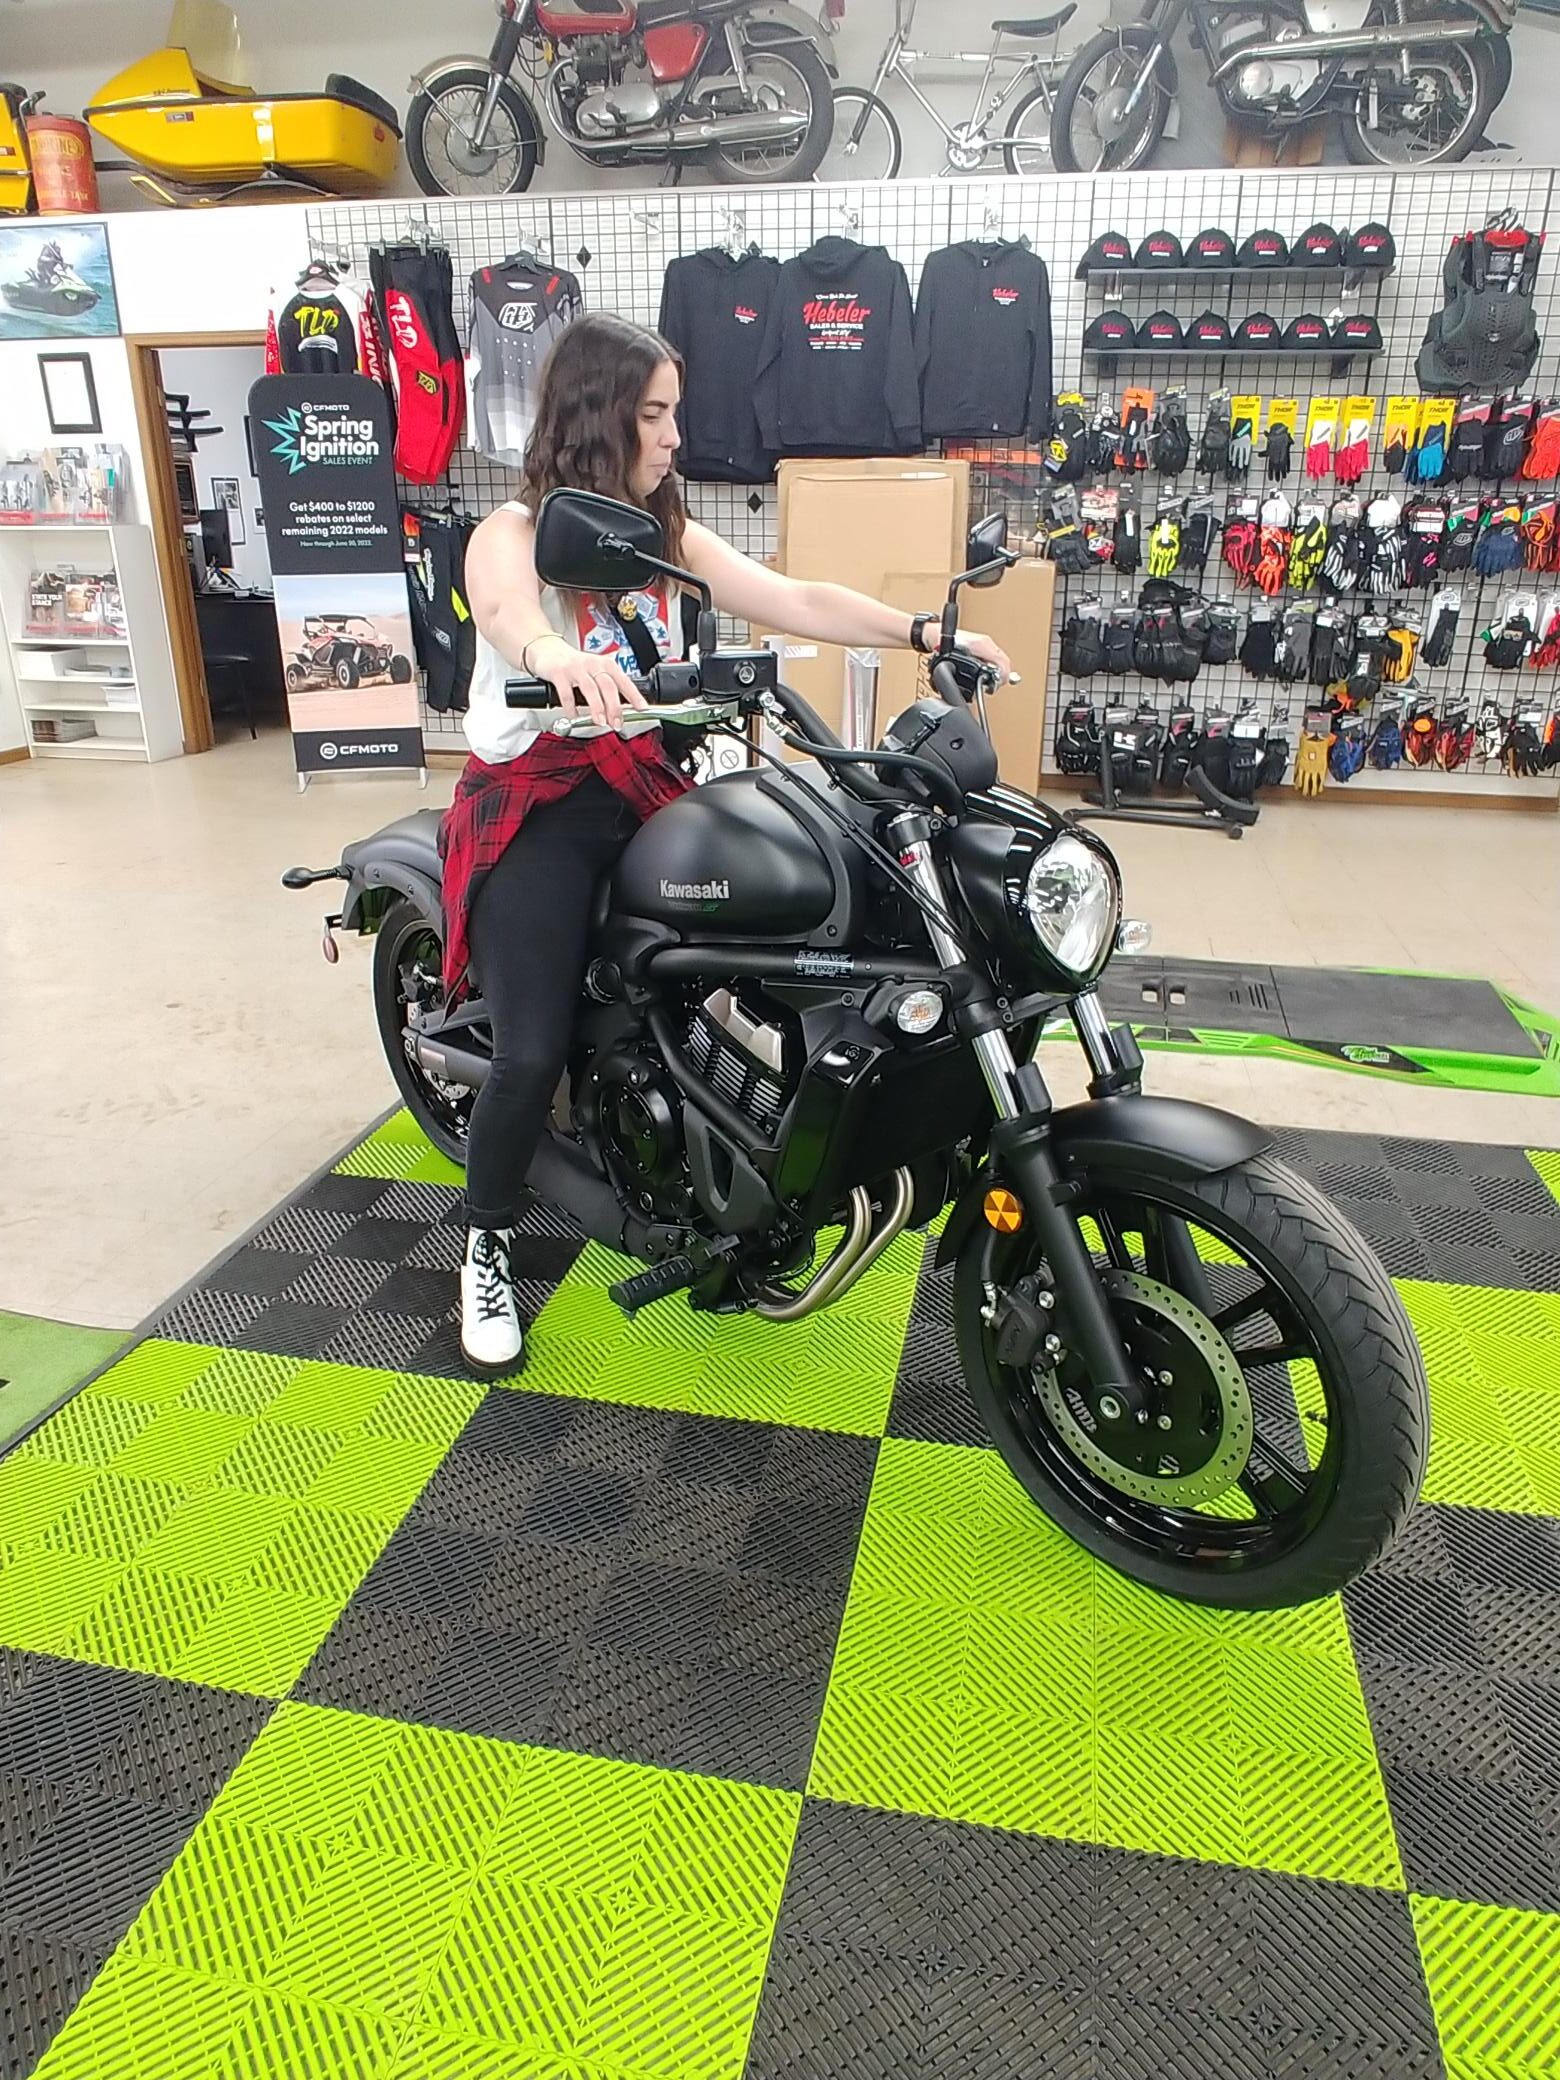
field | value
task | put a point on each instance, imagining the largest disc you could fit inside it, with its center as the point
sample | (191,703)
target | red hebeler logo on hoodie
(1004,296)
(835,322)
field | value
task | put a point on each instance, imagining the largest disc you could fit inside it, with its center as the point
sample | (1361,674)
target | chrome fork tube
(1093,1029)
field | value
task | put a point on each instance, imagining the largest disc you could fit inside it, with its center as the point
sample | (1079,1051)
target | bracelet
(551,636)
(919,624)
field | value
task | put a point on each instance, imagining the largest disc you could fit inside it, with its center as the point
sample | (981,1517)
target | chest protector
(1485,336)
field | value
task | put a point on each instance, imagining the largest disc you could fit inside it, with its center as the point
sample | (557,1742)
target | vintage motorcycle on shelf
(1411,82)
(810,1022)
(742,85)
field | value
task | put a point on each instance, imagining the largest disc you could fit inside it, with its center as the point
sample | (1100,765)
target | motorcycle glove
(1176,756)
(1460,540)
(1275,760)
(1213,450)
(1454,741)
(1538,535)
(1067,451)
(1170,443)
(1347,558)
(1427,464)
(1119,629)
(1523,752)
(1419,735)
(1272,567)
(1069,551)
(1440,636)
(1546,649)
(1164,546)
(1223,635)
(1424,525)
(1259,647)
(1385,573)
(1507,440)
(1241,541)
(1499,546)
(1353,457)
(1292,658)
(1133,453)
(1541,463)
(1104,440)
(1147,643)
(1469,431)
(1277,448)
(1078,740)
(1083,650)
(1491,732)
(1237,461)
(1311,763)
(1319,450)
(1127,541)
(1198,535)
(1400,648)
(1329,646)
(1348,751)
(1245,763)
(1307,549)
(1506,646)
(1384,748)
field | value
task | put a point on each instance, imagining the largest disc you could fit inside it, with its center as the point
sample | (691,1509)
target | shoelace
(495,1281)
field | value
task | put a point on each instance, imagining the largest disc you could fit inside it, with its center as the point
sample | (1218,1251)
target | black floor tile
(41,1981)
(1466,1840)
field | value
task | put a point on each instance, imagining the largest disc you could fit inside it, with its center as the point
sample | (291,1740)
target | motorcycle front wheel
(1287,1421)
(1089,131)
(793,78)
(1433,116)
(440,131)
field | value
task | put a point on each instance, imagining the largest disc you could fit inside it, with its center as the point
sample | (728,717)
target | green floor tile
(600,1921)
(1494,1978)
(989,1670)
(400,1149)
(832,1371)
(1546,1161)
(1480,1343)
(214,1530)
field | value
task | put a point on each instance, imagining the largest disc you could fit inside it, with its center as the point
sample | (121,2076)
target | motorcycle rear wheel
(1109,64)
(442,165)
(407,949)
(809,76)
(1320,1465)
(1468,75)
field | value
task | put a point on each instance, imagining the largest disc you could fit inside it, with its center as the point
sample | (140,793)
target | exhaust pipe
(1346,43)
(858,1251)
(454,1064)
(778,128)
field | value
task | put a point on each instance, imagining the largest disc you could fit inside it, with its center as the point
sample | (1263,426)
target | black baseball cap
(1160,249)
(1318,246)
(1265,249)
(1110,251)
(1371,246)
(1307,332)
(1209,329)
(1359,329)
(1212,247)
(1162,330)
(1109,329)
(1259,331)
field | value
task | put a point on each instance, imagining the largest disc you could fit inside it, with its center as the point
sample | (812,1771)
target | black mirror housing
(986,549)
(588,543)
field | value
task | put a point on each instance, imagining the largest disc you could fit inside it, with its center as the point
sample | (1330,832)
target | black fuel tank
(727,860)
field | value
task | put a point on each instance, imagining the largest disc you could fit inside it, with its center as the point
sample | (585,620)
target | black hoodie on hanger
(713,310)
(983,342)
(837,367)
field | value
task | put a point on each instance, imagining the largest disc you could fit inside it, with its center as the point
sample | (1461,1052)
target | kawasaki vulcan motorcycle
(1412,82)
(742,85)
(810,1022)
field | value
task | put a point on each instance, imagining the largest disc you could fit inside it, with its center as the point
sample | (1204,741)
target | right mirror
(987,541)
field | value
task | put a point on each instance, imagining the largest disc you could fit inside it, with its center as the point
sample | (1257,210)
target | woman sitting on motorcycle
(537,819)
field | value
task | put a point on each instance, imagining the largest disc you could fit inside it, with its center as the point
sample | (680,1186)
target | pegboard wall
(620,244)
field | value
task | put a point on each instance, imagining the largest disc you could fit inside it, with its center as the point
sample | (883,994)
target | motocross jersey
(325,327)
(518,309)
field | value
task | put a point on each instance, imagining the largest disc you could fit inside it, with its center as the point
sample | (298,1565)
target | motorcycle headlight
(1073,900)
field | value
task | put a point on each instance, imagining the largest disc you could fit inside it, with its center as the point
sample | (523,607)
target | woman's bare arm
(506,603)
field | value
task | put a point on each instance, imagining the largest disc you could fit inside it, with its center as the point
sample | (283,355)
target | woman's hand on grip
(582,680)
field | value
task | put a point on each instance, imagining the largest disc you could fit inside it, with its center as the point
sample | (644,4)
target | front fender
(1154,1137)
(428,76)
(777,22)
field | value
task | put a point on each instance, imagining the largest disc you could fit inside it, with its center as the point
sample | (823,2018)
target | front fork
(1021,1143)
(501,58)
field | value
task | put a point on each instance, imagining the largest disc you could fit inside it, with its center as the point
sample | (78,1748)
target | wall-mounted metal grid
(620,244)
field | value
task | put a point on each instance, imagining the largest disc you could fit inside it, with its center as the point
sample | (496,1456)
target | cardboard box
(815,491)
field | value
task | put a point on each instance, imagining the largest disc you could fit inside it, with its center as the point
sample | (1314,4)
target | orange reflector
(1003,1212)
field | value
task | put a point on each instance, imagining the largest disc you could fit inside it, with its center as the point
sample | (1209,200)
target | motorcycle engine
(1265,84)
(613,94)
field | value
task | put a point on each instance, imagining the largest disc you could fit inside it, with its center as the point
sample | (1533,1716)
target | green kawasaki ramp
(710,1703)
(1448,1029)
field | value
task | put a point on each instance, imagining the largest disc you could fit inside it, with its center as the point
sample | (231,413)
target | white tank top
(497,733)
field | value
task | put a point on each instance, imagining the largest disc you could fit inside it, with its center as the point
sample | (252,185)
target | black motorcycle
(813,1004)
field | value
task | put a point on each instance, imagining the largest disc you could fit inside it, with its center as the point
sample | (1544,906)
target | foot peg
(672,1275)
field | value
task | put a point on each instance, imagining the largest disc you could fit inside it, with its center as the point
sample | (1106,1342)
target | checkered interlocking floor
(712,1702)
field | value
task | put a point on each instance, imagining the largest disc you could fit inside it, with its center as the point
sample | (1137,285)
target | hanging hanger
(851,218)
(736,242)
(991,230)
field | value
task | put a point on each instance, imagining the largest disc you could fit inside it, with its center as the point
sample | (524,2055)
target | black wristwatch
(918,627)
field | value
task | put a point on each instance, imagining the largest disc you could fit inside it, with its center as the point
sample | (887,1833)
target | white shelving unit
(145,726)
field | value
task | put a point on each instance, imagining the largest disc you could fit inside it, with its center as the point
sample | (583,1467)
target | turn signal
(1003,1212)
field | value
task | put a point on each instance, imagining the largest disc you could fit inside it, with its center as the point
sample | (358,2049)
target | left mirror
(987,542)
(594,544)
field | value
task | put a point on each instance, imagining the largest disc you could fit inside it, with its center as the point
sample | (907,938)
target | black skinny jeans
(530,931)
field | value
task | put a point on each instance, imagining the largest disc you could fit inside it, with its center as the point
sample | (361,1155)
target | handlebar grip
(529,693)
(667,682)
(957,677)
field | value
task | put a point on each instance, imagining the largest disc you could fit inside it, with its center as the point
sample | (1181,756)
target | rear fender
(777,23)
(1149,1137)
(389,874)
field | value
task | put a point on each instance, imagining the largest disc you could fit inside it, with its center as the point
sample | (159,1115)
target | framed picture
(224,493)
(56,282)
(69,393)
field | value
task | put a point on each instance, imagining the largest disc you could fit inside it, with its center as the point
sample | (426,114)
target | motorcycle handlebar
(668,683)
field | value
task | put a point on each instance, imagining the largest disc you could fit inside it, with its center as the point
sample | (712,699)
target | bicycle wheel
(1028,145)
(866,145)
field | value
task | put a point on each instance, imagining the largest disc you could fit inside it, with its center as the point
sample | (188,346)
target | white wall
(24,416)
(71,47)
(218,379)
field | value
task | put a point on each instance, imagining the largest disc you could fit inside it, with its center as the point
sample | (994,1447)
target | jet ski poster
(56,282)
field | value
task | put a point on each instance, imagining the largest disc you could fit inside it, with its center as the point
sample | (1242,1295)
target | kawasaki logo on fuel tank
(322,433)
(696,891)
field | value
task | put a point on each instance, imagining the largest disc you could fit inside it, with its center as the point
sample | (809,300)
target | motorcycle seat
(341,86)
(1037,25)
(411,841)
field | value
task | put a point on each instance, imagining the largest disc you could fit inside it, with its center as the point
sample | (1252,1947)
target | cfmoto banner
(333,521)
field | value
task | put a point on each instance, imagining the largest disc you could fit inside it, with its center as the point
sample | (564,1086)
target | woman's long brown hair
(586,436)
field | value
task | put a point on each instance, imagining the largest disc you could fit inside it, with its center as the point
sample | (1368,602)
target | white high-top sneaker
(490,1338)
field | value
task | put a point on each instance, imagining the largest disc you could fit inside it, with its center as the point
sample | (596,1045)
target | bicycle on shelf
(869,146)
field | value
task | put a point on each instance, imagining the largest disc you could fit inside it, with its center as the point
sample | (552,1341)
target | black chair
(233,671)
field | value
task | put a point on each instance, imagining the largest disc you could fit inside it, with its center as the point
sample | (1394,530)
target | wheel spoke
(1273,1487)
(1256,1302)
(1271,1354)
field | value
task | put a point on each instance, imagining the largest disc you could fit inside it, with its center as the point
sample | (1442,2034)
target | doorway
(192,401)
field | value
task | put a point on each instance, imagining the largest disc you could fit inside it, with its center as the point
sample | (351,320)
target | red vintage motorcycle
(743,85)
